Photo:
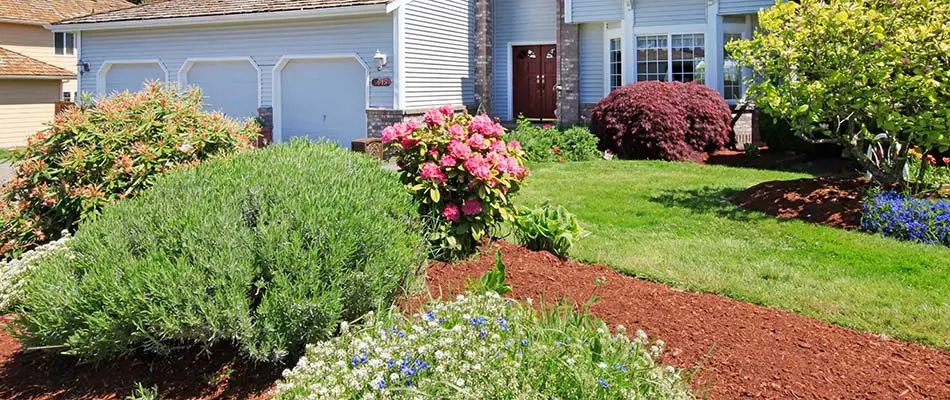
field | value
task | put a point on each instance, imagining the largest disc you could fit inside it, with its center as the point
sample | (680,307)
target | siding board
(266,43)
(731,7)
(440,53)
(25,107)
(596,10)
(592,62)
(669,12)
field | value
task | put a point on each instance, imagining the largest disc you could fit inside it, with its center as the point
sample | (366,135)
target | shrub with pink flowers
(463,173)
(89,157)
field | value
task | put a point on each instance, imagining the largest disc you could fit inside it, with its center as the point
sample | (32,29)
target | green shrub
(268,249)
(484,347)
(89,157)
(545,144)
(548,228)
(13,271)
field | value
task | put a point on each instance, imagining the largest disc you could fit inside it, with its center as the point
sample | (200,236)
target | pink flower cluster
(463,155)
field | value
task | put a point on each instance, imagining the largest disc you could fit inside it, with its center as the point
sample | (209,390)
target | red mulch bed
(744,350)
(831,201)
(187,375)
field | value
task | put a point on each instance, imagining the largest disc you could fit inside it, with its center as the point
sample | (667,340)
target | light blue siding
(518,22)
(266,43)
(596,10)
(727,7)
(592,63)
(440,53)
(668,12)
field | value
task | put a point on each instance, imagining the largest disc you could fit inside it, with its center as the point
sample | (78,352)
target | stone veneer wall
(586,109)
(569,95)
(484,59)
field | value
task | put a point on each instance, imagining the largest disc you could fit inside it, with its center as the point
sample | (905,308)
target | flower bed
(483,347)
(904,217)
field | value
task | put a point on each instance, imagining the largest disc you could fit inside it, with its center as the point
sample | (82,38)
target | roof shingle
(45,11)
(13,64)
(202,8)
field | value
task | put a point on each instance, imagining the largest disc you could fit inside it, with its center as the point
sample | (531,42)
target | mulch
(737,350)
(191,374)
(743,351)
(830,201)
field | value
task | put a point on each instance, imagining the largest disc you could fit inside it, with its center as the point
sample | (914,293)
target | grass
(670,222)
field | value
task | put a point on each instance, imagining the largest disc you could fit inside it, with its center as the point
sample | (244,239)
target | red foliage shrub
(710,118)
(662,120)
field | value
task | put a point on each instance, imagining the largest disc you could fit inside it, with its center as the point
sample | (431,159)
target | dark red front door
(535,81)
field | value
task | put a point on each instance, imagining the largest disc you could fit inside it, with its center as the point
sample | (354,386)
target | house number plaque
(382,82)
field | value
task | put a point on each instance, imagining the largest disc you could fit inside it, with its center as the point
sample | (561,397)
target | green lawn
(670,222)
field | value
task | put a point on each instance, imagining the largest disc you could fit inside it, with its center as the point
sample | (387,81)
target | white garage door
(230,87)
(323,99)
(131,77)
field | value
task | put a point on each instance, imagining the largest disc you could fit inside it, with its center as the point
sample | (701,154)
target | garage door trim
(189,63)
(106,66)
(287,59)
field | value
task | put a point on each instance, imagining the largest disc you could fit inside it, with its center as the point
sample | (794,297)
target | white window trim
(279,67)
(106,66)
(75,45)
(611,34)
(745,30)
(669,52)
(189,63)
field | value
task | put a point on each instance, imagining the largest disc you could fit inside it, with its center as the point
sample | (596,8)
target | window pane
(70,43)
(58,42)
(616,63)
(732,76)
(688,56)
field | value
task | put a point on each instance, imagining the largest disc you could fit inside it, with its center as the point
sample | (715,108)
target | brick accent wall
(747,126)
(484,59)
(569,95)
(378,119)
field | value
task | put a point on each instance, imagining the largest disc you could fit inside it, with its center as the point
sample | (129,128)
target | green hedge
(269,250)
(547,143)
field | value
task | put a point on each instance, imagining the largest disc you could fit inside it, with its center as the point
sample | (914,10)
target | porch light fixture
(381,60)
(83,66)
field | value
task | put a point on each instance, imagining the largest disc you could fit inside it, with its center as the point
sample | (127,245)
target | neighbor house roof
(15,65)
(203,8)
(46,11)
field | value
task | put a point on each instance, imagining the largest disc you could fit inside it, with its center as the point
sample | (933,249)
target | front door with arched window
(535,81)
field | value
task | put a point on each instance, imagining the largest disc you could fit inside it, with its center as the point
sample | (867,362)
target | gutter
(377,9)
(20,22)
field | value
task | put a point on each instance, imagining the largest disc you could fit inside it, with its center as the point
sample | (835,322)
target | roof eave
(373,9)
(21,21)
(38,77)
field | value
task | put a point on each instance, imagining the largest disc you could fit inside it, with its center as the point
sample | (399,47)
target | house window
(67,96)
(731,73)
(688,58)
(615,58)
(653,58)
(678,57)
(65,43)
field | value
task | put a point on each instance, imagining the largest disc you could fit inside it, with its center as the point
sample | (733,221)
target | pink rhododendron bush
(463,173)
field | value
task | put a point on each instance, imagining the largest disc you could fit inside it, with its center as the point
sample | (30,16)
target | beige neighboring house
(38,67)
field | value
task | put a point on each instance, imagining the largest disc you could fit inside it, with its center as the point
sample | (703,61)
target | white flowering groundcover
(483,347)
(13,271)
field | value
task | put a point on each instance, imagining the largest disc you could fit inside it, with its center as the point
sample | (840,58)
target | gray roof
(202,8)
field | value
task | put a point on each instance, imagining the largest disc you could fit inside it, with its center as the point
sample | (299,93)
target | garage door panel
(131,77)
(323,99)
(230,87)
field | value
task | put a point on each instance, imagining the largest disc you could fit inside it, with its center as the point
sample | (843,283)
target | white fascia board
(223,19)
(397,4)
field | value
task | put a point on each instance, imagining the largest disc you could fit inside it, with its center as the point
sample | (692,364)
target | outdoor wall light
(381,60)
(83,66)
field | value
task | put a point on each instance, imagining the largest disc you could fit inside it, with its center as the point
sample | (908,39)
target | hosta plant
(462,172)
(483,347)
(91,156)
(548,228)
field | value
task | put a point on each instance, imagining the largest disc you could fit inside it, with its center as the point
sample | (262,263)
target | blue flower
(477,321)
(503,323)
(429,316)
(603,383)
(382,384)
(401,334)
(622,368)
(524,342)
(482,333)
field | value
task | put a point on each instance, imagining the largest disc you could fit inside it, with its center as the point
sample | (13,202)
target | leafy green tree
(852,71)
